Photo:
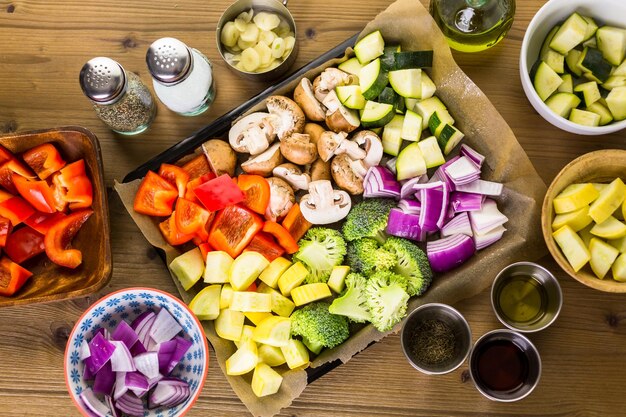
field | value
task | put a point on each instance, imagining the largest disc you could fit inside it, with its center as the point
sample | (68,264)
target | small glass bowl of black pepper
(436,339)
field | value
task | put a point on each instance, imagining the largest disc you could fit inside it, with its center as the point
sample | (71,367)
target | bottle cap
(102,80)
(169,60)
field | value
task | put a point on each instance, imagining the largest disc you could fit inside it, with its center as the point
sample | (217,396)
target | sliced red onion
(138,348)
(461,201)
(460,224)
(130,404)
(405,225)
(141,319)
(450,252)
(434,207)
(137,383)
(169,392)
(126,334)
(182,346)
(165,351)
(407,189)
(122,360)
(153,381)
(488,188)
(143,331)
(101,351)
(410,206)
(489,238)
(93,404)
(108,400)
(148,364)
(487,219)
(104,380)
(83,352)
(477,158)
(380,182)
(165,327)
(104,332)
(462,171)
(440,174)
(443,214)
(120,385)
(391,165)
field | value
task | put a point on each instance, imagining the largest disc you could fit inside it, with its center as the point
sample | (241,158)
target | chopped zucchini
(428,86)
(585,118)
(413,59)
(449,137)
(591,61)
(571,59)
(389,96)
(438,120)
(546,81)
(392,135)
(614,81)
(431,152)
(590,92)
(370,47)
(350,96)
(616,101)
(600,109)
(372,79)
(563,103)
(376,114)
(410,163)
(427,107)
(592,27)
(570,34)
(612,44)
(572,246)
(620,70)
(412,126)
(568,84)
(555,60)
(407,82)
(388,61)
(602,257)
(351,66)
(590,43)
(410,103)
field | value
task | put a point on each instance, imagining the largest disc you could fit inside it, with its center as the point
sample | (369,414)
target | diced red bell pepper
(205,248)
(42,222)
(190,217)
(170,232)
(58,239)
(252,288)
(58,192)
(76,185)
(265,244)
(191,185)
(44,159)
(233,229)
(5,155)
(256,190)
(12,276)
(219,193)
(37,193)
(16,209)
(176,176)
(197,167)
(295,222)
(282,236)
(8,169)
(202,234)
(155,196)
(23,244)
(5,229)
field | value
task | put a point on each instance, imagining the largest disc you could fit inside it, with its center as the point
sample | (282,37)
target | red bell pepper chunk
(233,229)
(265,244)
(170,232)
(282,236)
(205,248)
(44,159)
(219,193)
(59,238)
(252,288)
(42,222)
(13,167)
(37,193)
(191,185)
(23,244)
(5,155)
(155,196)
(16,209)
(12,276)
(176,176)
(5,229)
(58,192)
(190,217)
(197,167)
(76,185)
(202,234)
(295,222)
(256,190)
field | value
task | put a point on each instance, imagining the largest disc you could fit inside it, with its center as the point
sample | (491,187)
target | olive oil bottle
(473,25)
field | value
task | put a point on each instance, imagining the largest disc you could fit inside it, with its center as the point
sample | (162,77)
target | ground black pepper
(433,342)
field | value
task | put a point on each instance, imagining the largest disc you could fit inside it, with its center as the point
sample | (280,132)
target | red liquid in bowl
(501,365)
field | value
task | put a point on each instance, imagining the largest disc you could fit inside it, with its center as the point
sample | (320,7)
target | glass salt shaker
(182,77)
(120,99)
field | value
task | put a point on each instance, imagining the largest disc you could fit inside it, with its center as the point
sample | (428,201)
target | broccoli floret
(353,301)
(386,298)
(412,263)
(320,250)
(368,219)
(315,323)
(366,256)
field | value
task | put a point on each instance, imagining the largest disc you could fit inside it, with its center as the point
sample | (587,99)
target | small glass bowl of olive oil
(473,25)
(526,297)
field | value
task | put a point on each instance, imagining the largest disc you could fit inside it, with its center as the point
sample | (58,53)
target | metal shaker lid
(169,60)
(102,79)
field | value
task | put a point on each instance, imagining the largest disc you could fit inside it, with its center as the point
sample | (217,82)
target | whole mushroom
(311,106)
(222,158)
(286,116)
(282,199)
(264,163)
(343,120)
(323,204)
(314,131)
(320,170)
(371,143)
(298,149)
(329,79)
(348,174)
(252,134)
(293,175)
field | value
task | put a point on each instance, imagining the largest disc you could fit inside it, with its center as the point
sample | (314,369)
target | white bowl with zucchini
(572,65)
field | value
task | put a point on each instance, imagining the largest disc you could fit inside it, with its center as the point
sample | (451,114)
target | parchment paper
(408,23)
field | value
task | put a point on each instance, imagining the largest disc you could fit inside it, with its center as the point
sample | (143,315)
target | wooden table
(43,45)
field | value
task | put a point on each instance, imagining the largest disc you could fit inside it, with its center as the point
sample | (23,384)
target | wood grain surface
(43,45)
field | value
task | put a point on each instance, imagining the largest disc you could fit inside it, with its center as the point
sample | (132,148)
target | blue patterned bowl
(126,305)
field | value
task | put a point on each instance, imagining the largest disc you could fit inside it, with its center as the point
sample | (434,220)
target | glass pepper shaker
(120,99)
(182,77)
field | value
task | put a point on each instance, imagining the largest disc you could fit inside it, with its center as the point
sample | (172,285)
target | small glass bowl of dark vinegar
(505,365)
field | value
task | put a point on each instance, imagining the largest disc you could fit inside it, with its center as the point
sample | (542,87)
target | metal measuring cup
(272,6)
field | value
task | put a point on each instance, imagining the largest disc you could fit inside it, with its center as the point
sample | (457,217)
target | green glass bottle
(473,25)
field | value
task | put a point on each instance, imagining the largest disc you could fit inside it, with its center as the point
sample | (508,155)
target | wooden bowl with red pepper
(54,225)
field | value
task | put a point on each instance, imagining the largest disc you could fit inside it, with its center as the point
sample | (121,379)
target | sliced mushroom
(343,120)
(331,102)
(303,95)
(293,175)
(345,176)
(314,131)
(320,170)
(264,163)
(371,143)
(298,149)
(329,79)
(323,204)
(282,199)
(287,118)
(328,144)
(252,134)
(222,158)
(352,149)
